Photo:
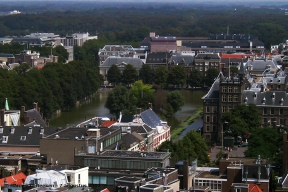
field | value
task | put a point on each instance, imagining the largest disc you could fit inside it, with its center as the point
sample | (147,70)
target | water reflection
(95,107)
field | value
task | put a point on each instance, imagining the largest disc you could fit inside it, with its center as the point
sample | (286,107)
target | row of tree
(136,23)
(161,76)
(56,86)
(122,99)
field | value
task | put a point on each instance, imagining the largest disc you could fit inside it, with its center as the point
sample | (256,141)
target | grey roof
(7,55)
(277,98)
(207,56)
(158,57)
(151,118)
(32,134)
(130,138)
(29,40)
(126,118)
(186,58)
(261,65)
(34,115)
(253,171)
(213,92)
(136,62)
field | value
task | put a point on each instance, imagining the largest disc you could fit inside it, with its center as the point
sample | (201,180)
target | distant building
(75,39)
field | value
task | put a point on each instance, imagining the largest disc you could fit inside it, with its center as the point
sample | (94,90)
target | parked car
(243,144)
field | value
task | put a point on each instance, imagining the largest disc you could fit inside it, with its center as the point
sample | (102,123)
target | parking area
(235,152)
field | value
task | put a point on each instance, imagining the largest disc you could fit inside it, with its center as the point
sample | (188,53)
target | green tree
(196,78)
(118,100)
(175,99)
(161,75)
(242,119)
(192,146)
(211,74)
(233,70)
(146,74)
(129,75)
(177,76)
(114,75)
(141,94)
(62,54)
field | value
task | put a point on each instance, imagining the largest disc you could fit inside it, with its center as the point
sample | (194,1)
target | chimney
(35,105)
(185,175)
(251,45)
(150,105)
(139,111)
(2,117)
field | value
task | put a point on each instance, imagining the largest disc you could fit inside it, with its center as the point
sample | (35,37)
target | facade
(235,174)
(203,61)
(75,39)
(156,43)
(266,89)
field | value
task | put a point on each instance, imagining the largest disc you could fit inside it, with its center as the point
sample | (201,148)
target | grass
(181,127)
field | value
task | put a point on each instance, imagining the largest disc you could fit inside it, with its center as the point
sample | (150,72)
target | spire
(241,70)
(6,104)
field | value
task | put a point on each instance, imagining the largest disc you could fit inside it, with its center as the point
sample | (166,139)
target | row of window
(101,180)
(120,164)
(214,119)
(213,185)
(5,138)
(210,63)
(214,109)
(213,128)
(273,111)
(274,121)
(29,131)
(112,140)
(231,98)
(229,89)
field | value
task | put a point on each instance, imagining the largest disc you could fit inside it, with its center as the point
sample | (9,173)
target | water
(95,107)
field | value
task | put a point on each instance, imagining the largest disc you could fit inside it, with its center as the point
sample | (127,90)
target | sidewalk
(236,152)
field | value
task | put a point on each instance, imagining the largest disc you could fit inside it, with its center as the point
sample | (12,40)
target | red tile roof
(17,179)
(105,190)
(107,123)
(235,56)
(254,188)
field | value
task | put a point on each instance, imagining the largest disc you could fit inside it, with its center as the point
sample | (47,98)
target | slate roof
(34,115)
(150,118)
(186,58)
(130,138)
(136,62)
(207,56)
(32,137)
(157,57)
(213,92)
(69,133)
(7,55)
(261,65)
(126,118)
(29,40)
(257,98)
(253,171)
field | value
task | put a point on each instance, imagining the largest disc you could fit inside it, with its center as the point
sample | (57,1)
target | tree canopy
(161,75)
(114,75)
(177,76)
(196,78)
(211,74)
(146,74)
(129,75)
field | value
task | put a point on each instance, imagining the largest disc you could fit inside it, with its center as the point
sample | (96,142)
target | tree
(196,78)
(192,146)
(129,75)
(161,75)
(177,76)
(141,94)
(211,74)
(62,54)
(233,70)
(114,75)
(146,74)
(175,99)
(242,119)
(118,100)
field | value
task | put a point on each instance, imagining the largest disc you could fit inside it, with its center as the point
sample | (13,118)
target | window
(4,139)
(79,179)
(42,131)
(264,111)
(214,119)
(282,122)
(214,128)
(272,111)
(1,129)
(224,109)
(279,87)
(69,178)
(224,89)
(22,138)
(207,128)
(30,130)
(230,89)
(230,98)
(224,98)
(214,109)
(207,118)
(238,189)
(264,121)
(236,89)
(271,86)
(280,111)
(235,98)
(208,109)
(12,130)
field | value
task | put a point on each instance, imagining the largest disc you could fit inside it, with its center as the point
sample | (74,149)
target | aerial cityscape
(143,96)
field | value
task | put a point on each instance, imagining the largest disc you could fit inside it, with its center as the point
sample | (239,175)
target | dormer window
(281,101)
(12,130)
(279,80)
(23,138)
(271,80)
(30,130)
(246,99)
(273,96)
(1,129)
(263,100)
(4,139)
(42,131)
(255,95)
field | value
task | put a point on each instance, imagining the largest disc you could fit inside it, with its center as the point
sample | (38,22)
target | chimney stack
(35,105)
